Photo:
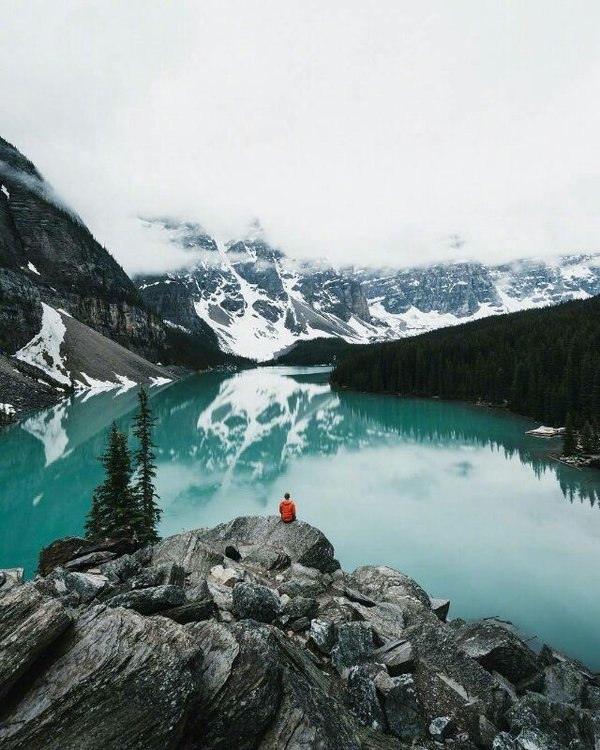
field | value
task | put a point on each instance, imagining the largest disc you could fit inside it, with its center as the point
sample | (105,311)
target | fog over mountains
(259,301)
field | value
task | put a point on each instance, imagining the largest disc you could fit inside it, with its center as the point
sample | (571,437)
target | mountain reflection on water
(391,481)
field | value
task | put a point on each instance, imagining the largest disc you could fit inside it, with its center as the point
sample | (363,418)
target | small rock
(226,576)
(10,577)
(354,645)
(322,634)
(86,585)
(255,602)
(397,656)
(441,728)
(505,741)
(440,607)
(302,623)
(121,569)
(301,606)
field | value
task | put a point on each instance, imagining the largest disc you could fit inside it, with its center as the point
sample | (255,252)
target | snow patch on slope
(43,351)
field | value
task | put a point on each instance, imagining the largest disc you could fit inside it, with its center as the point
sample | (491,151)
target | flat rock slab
(151,600)
(29,623)
(120,681)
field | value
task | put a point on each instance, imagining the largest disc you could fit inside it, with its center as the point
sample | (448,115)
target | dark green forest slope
(540,363)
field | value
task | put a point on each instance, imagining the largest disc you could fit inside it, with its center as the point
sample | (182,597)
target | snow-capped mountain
(259,302)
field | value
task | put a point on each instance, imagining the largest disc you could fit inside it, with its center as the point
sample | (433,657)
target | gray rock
(540,724)
(564,683)
(397,656)
(302,586)
(363,697)
(449,683)
(119,680)
(10,577)
(121,569)
(322,634)
(441,608)
(301,606)
(497,649)
(259,689)
(255,602)
(441,728)
(302,623)
(195,611)
(386,618)
(85,585)
(89,561)
(165,574)
(386,584)
(268,558)
(188,550)
(404,715)
(505,741)
(303,543)
(354,645)
(29,623)
(148,601)
(338,610)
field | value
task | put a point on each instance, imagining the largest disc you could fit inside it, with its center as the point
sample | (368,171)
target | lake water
(456,496)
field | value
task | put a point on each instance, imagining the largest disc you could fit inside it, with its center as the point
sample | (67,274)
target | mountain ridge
(260,303)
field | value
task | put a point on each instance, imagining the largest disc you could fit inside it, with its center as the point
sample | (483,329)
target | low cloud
(395,135)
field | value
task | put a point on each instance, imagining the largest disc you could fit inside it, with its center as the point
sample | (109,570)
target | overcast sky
(366,132)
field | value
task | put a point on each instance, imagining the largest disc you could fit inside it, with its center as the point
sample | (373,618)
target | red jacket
(287,510)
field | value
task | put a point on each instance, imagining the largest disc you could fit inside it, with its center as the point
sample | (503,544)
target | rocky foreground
(249,635)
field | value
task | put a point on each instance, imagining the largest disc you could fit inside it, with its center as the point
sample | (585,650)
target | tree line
(544,364)
(126,499)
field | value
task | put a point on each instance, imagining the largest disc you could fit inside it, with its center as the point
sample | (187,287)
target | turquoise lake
(456,496)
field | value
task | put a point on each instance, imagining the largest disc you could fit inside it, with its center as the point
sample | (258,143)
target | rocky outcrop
(249,635)
(48,246)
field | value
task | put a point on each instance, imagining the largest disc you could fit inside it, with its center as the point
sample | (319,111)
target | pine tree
(115,505)
(569,437)
(588,439)
(146,469)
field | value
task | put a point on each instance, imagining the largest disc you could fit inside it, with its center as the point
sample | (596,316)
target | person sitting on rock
(287,509)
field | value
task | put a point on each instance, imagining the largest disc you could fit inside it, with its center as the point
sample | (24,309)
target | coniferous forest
(544,364)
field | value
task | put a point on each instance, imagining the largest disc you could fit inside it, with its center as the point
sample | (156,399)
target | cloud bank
(392,132)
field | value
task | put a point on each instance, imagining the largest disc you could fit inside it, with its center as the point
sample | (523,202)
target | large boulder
(363,696)
(449,682)
(384,584)
(540,724)
(260,690)
(301,542)
(404,715)
(497,649)
(354,645)
(119,680)
(83,586)
(255,602)
(29,623)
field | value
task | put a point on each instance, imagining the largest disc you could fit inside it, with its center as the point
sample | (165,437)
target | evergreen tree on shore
(569,437)
(115,505)
(146,469)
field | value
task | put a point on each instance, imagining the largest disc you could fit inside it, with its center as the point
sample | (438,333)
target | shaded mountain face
(258,302)
(47,254)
